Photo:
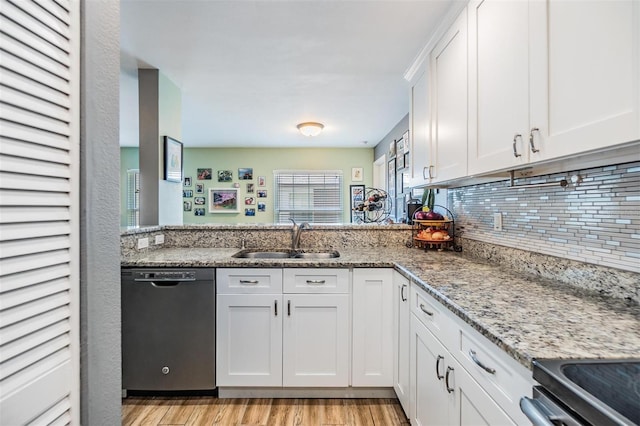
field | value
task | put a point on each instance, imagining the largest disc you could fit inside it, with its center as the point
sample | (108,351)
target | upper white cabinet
(585,76)
(449,102)
(372,327)
(420,131)
(548,79)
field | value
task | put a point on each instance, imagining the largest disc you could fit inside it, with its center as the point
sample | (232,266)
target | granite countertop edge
(463,296)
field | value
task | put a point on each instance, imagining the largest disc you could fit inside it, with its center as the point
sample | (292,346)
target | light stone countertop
(527,316)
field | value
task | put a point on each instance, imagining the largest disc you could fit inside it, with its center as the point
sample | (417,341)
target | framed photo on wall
(405,138)
(223,200)
(356,197)
(172,160)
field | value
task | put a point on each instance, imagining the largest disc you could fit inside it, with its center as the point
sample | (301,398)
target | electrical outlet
(497,221)
(159,239)
(143,243)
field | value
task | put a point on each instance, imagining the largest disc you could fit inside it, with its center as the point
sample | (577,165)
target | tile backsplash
(596,221)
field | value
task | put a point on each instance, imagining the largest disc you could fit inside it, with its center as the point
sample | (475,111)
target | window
(133,198)
(313,196)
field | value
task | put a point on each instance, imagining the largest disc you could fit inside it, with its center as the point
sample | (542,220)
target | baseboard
(236,392)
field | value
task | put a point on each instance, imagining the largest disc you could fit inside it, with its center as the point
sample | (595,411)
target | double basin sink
(285,254)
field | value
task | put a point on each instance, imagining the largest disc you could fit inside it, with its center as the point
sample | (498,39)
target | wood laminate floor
(197,410)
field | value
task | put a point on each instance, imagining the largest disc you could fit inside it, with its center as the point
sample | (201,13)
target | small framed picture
(400,162)
(262,181)
(406,144)
(204,174)
(262,207)
(223,200)
(225,175)
(245,174)
(199,188)
(356,174)
(399,147)
(406,159)
(199,211)
(172,160)
(357,202)
(199,201)
(187,181)
(249,188)
(249,201)
(262,193)
(186,206)
(392,149)
(250,212)
(187,193)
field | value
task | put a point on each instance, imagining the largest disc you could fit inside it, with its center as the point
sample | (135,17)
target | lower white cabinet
(372,328)
(442,391)
(401,339)
(315,350)
(249,340)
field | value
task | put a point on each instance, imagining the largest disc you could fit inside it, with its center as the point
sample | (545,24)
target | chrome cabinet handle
(531,143)
(288,308)
(430,174)
(422,308)
(404,299)
(316,281)
(424,173)
(275,307)
(530,408)
(446,379)
(440,358)
(515,150)
(249,281)
(475,359)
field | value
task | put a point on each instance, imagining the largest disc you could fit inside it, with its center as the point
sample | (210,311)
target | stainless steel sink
(285,254)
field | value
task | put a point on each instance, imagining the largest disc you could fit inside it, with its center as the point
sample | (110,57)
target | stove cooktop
(600,391)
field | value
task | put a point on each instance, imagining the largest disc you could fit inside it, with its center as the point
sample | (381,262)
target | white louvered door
(39,212)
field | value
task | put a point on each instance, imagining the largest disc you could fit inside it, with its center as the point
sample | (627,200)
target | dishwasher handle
(165,284)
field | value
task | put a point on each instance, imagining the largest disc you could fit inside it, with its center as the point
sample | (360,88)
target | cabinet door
(249,340)
(584,76)
(449,76)
(316,340)
(430,402)
(420,134)
(401,339)
(472,407)
(498,84)
(372,327)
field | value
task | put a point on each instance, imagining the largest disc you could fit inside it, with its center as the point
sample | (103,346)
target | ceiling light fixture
(310,128)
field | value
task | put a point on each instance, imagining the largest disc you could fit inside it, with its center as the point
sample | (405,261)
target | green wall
(128,161)
(264,161)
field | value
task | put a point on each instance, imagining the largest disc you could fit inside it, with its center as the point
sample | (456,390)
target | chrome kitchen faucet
(295,233)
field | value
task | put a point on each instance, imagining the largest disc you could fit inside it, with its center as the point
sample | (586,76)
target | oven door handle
(531,408)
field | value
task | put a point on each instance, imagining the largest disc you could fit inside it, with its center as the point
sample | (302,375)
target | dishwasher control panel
(164,276)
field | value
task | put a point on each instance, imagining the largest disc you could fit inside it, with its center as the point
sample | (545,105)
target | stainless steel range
(585,392)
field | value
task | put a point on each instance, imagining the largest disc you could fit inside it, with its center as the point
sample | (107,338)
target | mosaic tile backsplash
(596,221)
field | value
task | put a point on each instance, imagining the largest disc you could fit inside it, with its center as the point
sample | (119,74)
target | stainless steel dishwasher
(168,329)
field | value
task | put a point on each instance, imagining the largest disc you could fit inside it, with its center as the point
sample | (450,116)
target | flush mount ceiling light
(310,128)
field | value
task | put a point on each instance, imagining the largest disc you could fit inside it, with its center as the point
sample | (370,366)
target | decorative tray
(433,222)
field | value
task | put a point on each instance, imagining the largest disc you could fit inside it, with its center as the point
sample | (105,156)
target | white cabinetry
(299,338)
(372,328)
(551,79)
(401,339)
(449,101)
(457,376)
(420,134)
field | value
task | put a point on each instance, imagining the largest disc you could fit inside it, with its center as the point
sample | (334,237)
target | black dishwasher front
(168,329)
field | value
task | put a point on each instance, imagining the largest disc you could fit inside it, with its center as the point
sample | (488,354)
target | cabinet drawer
(431,313)
(315,280)
(502,377)
(248,280)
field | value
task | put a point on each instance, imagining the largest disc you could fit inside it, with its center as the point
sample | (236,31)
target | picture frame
(225,175)
(204,174)
(262,207)
(406,159)
(250,188)
(250,212)
(357,174)
(186,206)
(199,201)
(224,200)
(249,201)
(356,198)
(399,162)
(187,193)
(399,147)
(262,181)
(392,149)
(172,160)
(199,188)
(245,173)
(199,211)
(262,193)
(391,177)
(405,138)
(187,181)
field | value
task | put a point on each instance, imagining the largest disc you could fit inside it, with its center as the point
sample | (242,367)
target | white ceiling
(249,71)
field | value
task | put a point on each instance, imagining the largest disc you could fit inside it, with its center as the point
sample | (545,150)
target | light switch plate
(497,221)
(143,243)
(159,239)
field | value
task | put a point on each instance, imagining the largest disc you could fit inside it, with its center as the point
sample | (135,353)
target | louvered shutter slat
(54,9)
(27,199)
(32,119)
(33,324)
(51,22)
(34,167)
(33,57)
(21,149)
(34,136)
(17,67)
(34,214)
(32,40)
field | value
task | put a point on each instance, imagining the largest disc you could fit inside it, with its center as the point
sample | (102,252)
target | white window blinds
(133,198)
(313,196)
(39,214)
